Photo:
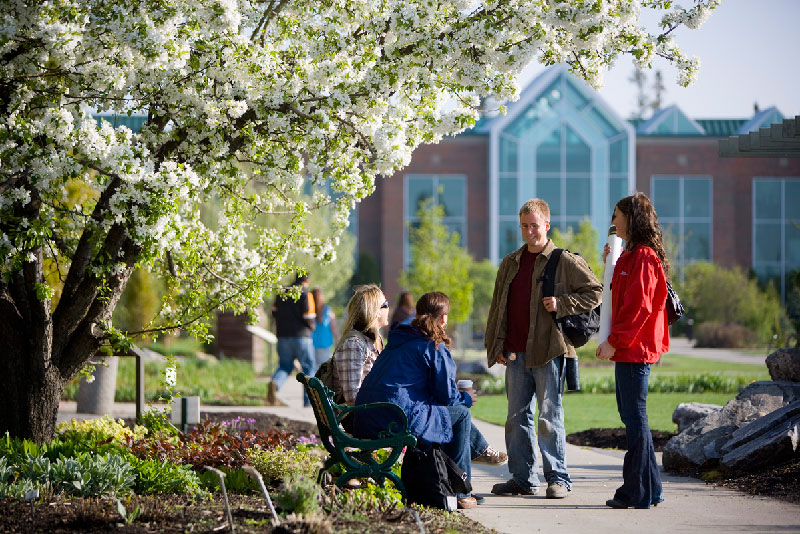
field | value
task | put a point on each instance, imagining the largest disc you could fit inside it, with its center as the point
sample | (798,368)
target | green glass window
(666,197)
(578,197)
(508,155)
(549,190)
(683,204)
(419,191)
(509,205)
(579,156)
(767,241)
(548,153)
(452,196)
(618,155)
(617,189)
(768,199)
(697,195)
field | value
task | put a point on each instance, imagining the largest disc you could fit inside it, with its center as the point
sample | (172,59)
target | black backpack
(576,328)
(432,478)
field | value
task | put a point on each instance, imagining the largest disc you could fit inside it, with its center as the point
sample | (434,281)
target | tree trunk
(31,386)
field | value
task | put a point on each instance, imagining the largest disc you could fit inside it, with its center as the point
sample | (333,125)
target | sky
(748,52)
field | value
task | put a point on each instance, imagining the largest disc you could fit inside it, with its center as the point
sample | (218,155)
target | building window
(562,144)
(776,230)
(683,204)
(448,191)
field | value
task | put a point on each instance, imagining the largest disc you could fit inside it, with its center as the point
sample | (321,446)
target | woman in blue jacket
(416,371)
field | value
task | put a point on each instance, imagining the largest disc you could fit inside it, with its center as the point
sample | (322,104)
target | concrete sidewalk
(682,346)
(690,505)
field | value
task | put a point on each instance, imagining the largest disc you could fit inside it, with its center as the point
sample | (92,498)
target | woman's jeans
(458,449)
(641,481)
(526,389)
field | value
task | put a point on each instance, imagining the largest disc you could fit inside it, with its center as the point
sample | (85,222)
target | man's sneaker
(556,490)
(491,457)
(512,488)
(465,503)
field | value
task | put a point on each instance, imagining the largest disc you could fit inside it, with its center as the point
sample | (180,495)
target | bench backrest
(325,410)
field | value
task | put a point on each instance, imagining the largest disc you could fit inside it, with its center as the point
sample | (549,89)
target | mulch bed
(613,438)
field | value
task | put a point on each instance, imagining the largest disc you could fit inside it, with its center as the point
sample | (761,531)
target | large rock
(784,365)
(698,447)
(688,412)
(761,426)
(772,447)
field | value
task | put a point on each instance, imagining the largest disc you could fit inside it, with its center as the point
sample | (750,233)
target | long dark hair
(430,309)
(643,227)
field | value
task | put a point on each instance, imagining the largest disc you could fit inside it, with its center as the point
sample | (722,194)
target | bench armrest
(391,429)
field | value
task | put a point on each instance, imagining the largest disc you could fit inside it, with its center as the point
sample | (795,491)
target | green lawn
(599,410)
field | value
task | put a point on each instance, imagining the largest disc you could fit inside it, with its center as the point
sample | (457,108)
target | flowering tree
(245,100)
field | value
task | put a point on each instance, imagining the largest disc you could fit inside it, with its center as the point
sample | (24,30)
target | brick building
(560,141)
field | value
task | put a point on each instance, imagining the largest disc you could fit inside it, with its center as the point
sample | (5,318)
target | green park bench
(354,454)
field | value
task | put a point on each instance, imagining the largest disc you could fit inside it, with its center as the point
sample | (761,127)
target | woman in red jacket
(637,339)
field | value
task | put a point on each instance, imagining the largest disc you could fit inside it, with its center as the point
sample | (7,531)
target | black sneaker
(512,488)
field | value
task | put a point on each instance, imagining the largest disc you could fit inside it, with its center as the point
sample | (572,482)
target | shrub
(714,334)
(276,463)
(87,475)
(91,434)
(299,494)
(712,293)
(154,477)
(372,497)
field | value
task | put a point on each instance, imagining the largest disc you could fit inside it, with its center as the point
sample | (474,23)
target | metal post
(139,388)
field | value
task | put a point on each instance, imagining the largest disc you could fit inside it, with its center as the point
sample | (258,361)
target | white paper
(615,244)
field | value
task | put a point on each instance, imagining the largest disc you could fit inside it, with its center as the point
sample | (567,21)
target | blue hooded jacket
(420,378)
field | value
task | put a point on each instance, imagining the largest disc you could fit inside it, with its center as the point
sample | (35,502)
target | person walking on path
(638,337)
(325,331)
(417,372)
(521,334)
(294,321)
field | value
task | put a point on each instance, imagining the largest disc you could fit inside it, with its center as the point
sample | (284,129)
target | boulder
(698,446)
(688,412)
(761,426)
(784,365)
(772,447)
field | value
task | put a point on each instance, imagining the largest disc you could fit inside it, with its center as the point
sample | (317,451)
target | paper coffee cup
(464,385)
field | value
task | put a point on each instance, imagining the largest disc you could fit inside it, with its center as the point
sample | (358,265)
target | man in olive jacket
(521,334)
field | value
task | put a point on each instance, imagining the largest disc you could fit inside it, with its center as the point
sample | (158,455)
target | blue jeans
(641,485)
(477,443)
(544,386)
(289,350)
(459,447)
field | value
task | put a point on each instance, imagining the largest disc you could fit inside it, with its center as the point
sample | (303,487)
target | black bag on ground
(432,478)
(674,307)
(576,328)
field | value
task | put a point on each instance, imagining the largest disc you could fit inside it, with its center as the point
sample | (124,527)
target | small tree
(584,242)
(438,262)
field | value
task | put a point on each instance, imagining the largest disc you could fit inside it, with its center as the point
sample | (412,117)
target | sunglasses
(385,304)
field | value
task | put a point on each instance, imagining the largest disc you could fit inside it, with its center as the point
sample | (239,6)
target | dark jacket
(294,319)
(418,376)
(577,290)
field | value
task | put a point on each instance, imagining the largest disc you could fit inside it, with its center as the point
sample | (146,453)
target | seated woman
(361,341)
(416,371)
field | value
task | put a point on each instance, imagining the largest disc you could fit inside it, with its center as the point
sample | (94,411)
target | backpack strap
(548,278)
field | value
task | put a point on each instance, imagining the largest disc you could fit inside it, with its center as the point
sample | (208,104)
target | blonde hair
(536,205)
(363,312)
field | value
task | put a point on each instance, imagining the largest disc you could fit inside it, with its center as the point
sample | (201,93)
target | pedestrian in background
(405,311)
(325,331)
(294,322)
(639,335)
